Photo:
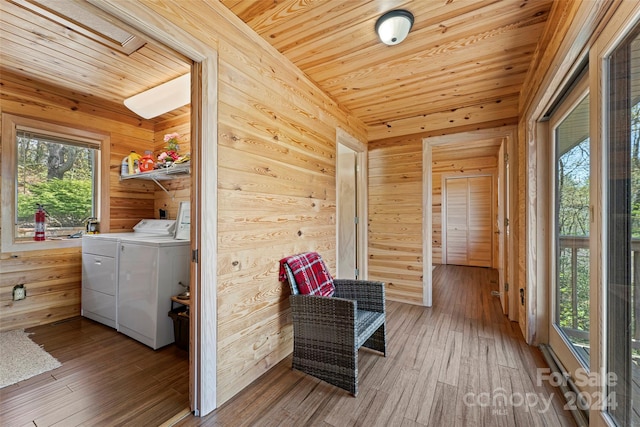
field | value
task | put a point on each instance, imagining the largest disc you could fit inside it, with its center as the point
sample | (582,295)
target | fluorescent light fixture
(394,26)
(161,99)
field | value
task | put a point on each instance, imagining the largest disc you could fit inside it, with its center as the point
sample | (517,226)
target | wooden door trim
(203,314)
(509,132)
(348,140)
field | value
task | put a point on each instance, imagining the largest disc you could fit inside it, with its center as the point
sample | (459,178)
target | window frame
(10,125)
(557,336)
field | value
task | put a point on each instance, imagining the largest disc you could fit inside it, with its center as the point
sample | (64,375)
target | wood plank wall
(395,207)
(443,165)
(277,197)
(395,217)
(276,191)
(276,184)
(53,278)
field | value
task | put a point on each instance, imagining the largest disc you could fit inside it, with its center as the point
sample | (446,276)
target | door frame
(346,139)
(204,141)
(501,224)
(511,247)
(508,132)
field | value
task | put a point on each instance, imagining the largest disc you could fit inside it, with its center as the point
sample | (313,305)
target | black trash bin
(180,316)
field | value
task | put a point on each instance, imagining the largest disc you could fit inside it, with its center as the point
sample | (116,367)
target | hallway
(460,362)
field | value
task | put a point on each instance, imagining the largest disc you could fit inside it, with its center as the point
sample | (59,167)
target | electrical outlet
(19,292)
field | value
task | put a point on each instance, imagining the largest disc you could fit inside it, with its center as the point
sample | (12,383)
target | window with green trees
(572,228)
(58,173)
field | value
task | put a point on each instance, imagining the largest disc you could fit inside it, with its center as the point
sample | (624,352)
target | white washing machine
(129,278)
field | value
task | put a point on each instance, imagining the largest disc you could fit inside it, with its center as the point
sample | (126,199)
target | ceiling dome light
(393,26)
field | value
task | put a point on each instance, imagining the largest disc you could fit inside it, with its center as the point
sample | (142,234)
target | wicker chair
(328,331)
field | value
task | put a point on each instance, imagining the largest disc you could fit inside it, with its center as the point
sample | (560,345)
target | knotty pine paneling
(462,64)
(276,185)
(53,278)
(52,51)
(395,207)
(395,217)
(491,114)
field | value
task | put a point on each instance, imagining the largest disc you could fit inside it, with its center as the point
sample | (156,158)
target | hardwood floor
(453,364)
(106,379)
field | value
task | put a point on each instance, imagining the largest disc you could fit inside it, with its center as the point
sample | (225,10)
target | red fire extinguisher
(39,229)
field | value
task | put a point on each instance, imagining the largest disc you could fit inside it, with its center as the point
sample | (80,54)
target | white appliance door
(138,289)
(99,288)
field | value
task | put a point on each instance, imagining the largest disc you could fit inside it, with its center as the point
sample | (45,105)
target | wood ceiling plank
(460,56)
(247,10)
(426,97)
(455,39)
(34,91)
(463,51)
(356,35)
(471,29)
(302,28)
(103,71)
(501,113)
(443,92)
(48,51)
(448,69)
(448,104)
(66,73)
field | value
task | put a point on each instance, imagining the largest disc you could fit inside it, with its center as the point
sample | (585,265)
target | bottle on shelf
(147,162)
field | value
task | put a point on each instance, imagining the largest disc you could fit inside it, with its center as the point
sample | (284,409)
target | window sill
(49,244)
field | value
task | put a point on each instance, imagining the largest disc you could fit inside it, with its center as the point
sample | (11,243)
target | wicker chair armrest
(368,293)
(323,309)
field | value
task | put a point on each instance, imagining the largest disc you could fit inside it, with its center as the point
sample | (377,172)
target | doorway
(204,142)
(351,206)
(472,144)
(347,213)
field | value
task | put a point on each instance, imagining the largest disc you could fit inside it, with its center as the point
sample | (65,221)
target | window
(57,174)
(572,229)
(571,334)
(594,167)
(622,223)
(57,167)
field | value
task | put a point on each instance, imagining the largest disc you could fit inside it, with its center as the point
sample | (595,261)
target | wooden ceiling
(63,55)
(462,65)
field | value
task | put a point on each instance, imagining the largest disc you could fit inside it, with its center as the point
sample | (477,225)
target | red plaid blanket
(312,276)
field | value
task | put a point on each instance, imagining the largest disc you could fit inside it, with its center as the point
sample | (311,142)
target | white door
(347,267)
